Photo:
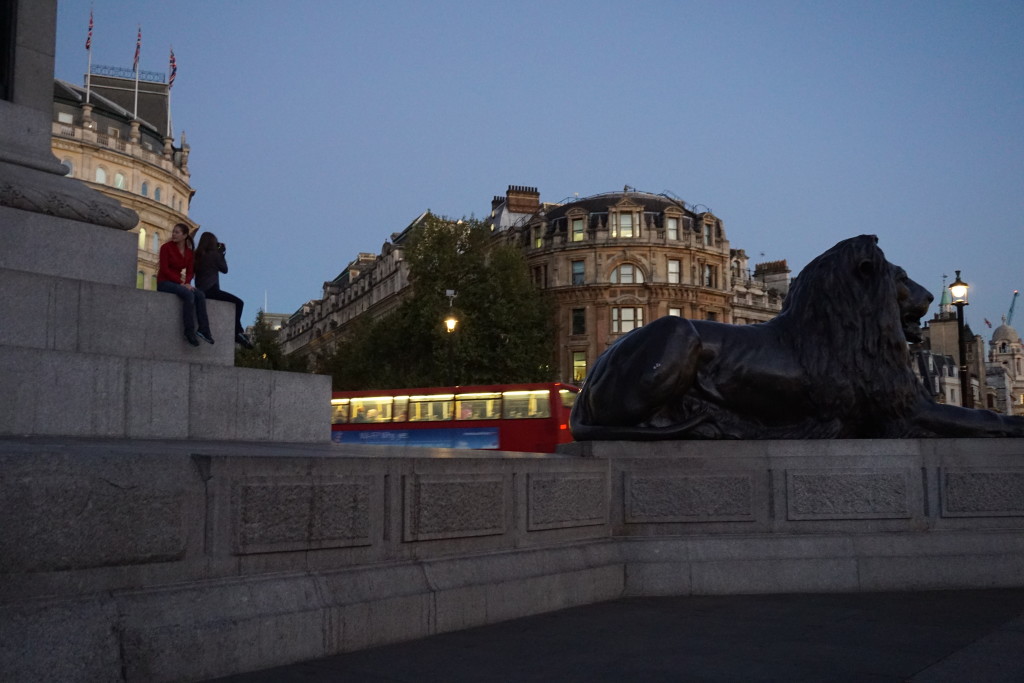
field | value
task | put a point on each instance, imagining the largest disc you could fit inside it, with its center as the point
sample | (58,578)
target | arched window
(140,280)
(156,194)
(70,164)
(120,182)
(101,175)
(145,189)
(156,241)
(152,282)
(627,274)
(142,239)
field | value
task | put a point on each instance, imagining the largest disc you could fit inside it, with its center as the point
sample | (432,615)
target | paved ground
(950,636)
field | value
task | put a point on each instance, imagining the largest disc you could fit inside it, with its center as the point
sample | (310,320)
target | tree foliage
(266,353)
(504,331)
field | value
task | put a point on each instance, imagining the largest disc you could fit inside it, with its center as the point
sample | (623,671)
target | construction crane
(1013,302)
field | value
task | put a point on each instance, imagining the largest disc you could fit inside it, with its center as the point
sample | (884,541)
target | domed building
(1006,371)
(615,261)
(131,159)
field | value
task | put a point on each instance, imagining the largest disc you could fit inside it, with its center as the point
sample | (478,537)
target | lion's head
(850,314)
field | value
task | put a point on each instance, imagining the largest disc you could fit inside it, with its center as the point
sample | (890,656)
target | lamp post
(449,324)
(958,290)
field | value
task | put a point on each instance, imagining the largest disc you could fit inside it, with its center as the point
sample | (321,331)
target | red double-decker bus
(508,417)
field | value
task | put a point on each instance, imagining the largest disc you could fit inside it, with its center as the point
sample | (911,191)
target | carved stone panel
(825,494)
(983,493)
(566,499)
(453,506)
(692,498)
(273,515)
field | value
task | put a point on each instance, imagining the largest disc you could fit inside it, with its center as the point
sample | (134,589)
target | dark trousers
(218,294)
(193,306)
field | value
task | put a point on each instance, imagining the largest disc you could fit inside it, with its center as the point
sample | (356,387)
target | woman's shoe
(243,339)
(190,337)
(205,336)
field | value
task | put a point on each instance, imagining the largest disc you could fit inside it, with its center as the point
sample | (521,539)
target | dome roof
(1005,333)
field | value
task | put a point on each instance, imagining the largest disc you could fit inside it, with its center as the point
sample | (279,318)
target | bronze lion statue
(834,364)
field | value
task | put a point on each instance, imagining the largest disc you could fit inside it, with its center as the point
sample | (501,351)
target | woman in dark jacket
(210,263)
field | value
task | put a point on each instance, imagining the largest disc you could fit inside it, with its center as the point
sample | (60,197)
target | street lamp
(958,290)
(449,324)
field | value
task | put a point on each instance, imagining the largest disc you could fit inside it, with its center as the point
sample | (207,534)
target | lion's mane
(843,320)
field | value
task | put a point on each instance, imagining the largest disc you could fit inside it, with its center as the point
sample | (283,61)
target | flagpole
(88,68)
(138,47)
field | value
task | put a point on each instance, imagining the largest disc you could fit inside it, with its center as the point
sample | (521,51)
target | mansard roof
(600,203)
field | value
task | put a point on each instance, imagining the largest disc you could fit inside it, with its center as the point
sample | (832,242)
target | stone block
(454,506)
(805,575)
(566,499)
(300,407)
(658,578)
(271,515)
(669,497)
(946,572)
(846,494)
(983,492)
(379,622)
(37,243)
(66,641)
(158,394)
(230,403)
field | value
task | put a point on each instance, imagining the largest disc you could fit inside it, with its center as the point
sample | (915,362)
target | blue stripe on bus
(482,437)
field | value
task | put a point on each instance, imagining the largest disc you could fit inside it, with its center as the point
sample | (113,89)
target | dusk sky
(319,128)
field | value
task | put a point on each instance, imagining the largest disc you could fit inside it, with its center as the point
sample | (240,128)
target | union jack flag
(174,71)
(88,38)
(138,49)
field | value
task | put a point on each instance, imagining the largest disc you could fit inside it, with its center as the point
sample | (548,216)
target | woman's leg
(204,321)
(188,306)
(219,294)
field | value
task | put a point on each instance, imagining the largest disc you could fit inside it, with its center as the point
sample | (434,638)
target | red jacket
(172,262)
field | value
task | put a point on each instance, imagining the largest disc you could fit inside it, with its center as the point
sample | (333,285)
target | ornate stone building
(1006,371)
(614,261)
(130,159)
(611,262)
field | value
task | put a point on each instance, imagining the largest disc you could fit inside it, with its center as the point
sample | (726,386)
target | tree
(504,331)
(266,352)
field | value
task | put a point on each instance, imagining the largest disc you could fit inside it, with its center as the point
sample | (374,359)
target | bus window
(526,404)
(478,406)
(401,409)
(372,409)
(568,397)
(430,408)
(339,411)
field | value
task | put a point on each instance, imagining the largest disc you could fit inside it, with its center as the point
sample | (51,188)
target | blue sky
(318,128)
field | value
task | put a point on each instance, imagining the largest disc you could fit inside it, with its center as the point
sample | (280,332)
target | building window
(156,194)
(579,321)
(101,175)
(625,319)
(538,238)
(120,182)
(140,280)
(677,312)
(672,228)
(142,241)
(711,315)
(623,225)
(627,274)
(710,276)
(156,241)
(65,117)
(579,366)
(577,229)
(707,235)
(145,189)
(578,273)
(673,271)
(70,164)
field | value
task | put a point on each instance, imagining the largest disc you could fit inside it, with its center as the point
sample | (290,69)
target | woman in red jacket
(175,277)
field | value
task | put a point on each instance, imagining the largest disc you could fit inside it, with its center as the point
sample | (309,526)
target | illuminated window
(673,271)
(142,238)
(120,182)
(538,237)
(101,175)
(578,273)
(625,319)
(672,228)
(623,225)
(579,321)
(65,117)
(577,229)
(526,404)
(627,274)
(678,312)
(140,280)
(579,366)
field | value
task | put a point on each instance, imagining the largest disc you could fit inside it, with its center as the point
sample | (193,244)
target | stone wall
(182,560)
